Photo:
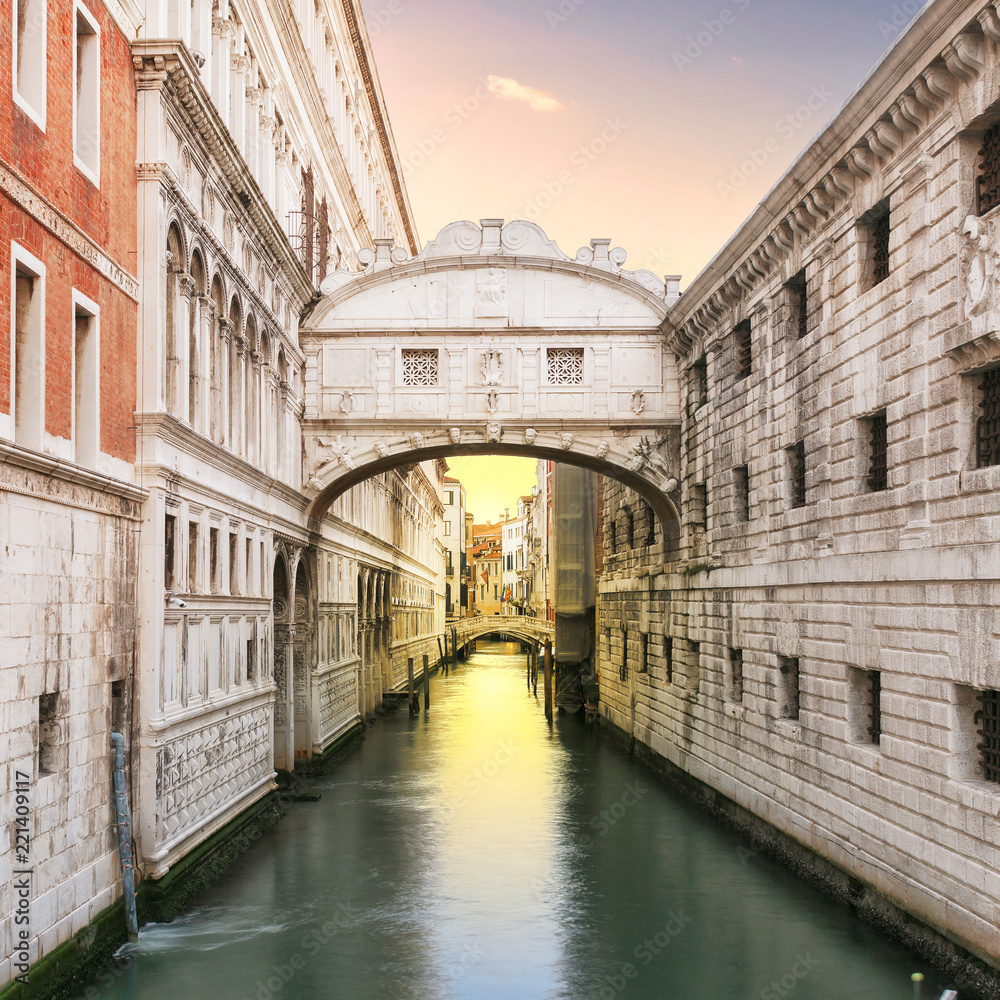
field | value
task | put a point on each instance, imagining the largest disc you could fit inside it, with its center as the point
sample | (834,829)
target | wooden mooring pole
(528,667)
(442,660)
(549,711)
(534,671)
(414,704)
(427,682)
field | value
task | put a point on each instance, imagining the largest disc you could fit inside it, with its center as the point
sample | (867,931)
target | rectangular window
(118,706)
(797,474)
(234,563)
(797,293)
(246,567)
(642,661)
(51,746)
(875,231)
(564,365)
(743,339)
(736,675)
(447,528)
(788,669)
(87,95)
(877,428)
(169,542)
(699,382)
(213,558)
(741,486)
(988,180)
(29,350)
(449,498)
(86,382)
(29,58)
(251,659)
(193,583)
(668,657)
(988,721)
(420,367)
(623,668)
(988,425)
(699,509)
(866,702)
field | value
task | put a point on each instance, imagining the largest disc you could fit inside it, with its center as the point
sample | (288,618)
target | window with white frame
(87,95)
(564,365)
(29,61)
(29,349)
(86,381)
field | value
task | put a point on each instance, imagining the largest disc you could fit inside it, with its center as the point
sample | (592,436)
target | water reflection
(474,853)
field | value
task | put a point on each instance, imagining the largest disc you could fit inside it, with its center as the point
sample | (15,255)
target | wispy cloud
(510,90)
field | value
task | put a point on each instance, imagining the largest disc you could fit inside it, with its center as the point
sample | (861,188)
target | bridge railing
(503,623)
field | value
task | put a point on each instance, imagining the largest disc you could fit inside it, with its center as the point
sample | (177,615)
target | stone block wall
(831,628)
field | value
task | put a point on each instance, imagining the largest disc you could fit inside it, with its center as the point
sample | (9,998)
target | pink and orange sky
(629,119)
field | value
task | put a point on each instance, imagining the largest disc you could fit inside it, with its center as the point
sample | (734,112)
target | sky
(658,123)
(645,121)
(493,483)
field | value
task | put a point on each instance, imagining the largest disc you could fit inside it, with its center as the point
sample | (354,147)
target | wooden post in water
(528,666)
(549,711)
(441,657)
(427,683)
(534,671)
(454,647)
(414,705)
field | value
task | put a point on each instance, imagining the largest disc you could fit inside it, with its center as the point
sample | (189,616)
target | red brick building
(68,503)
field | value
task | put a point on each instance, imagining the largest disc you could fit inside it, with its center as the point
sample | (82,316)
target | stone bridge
(535,631)
(491,341)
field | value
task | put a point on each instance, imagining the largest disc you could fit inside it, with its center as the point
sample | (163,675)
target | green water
(472,853)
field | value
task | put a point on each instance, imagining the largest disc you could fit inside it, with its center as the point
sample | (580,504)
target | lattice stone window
(565,365)
(420,367)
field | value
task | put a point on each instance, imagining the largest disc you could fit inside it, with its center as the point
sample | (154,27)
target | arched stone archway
(491,341)
(303,661)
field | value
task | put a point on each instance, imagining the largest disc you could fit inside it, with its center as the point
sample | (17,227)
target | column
(225,352)
(223,31)
(182,339)
(239,66)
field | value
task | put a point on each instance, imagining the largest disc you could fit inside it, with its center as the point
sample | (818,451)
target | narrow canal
(470,853)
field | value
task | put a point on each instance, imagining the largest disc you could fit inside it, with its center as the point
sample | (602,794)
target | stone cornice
(127,15)
(158,62)
(376,101)
(68,232)
(904,95)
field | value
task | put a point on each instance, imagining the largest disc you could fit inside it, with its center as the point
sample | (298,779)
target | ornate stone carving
(455,435)
(492,367)
(979,260)
(348,402)
(492,401)
(494,432)
(381,449)
(603,450)
(337,453)
(638,401)
(566,441)
(491,294)
(416,441)
(529,435)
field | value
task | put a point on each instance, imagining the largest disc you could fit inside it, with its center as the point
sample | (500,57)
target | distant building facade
(456,550)
(487,568)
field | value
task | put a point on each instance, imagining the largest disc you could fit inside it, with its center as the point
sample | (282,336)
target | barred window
(797,473)
(420,367)
(881,230)
(565,365)
(744,349)
(878,443)
(668,657)
(741,485)
(797,291)
(988,181)
(736,669)
(699,381)
(788,667)
(988,425)
(988,720)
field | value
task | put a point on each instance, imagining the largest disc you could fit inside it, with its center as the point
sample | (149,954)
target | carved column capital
(186,285)
(226,327)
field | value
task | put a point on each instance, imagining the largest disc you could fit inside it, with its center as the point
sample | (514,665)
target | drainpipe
(124,837)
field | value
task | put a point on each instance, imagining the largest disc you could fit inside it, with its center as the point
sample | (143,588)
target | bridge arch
(491,341)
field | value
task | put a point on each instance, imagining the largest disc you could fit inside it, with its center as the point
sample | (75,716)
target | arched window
(235,375)
(195,374)
(175,265)
(215,363)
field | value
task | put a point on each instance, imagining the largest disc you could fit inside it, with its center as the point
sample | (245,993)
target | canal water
(473,853)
